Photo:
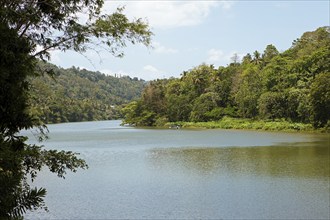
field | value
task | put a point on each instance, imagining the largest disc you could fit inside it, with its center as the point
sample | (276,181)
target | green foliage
(132,112)
(272,105)
(161,121)
(320,99)
(203,104)
(115,30)
(178,100)
(220,112)
(257,60)
(74,94)
(269,53)
(248,92)
(54,24)
(153,96)
(20,162)
(239,123)
(287,88)
(15,66)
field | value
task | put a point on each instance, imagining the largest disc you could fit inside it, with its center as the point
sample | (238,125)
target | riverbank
(250,124)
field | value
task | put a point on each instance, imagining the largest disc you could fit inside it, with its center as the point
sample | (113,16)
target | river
(137,173)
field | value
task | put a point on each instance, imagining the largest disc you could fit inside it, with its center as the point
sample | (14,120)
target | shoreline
(251,124)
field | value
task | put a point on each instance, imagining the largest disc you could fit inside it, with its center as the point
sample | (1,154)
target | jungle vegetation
(291,86)
(72,95)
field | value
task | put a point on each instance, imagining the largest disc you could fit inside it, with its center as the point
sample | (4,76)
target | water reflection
(310,161)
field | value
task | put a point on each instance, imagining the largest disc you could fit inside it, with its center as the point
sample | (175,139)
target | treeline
(70,95)
(293,85)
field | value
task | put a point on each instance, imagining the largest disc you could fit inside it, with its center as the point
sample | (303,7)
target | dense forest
(293,85)
(70,95)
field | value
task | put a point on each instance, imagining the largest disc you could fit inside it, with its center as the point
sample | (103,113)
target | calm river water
(187,174)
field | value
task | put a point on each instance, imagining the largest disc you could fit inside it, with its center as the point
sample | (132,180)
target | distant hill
(71,95)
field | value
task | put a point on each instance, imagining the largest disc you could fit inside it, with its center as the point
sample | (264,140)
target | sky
(190,33)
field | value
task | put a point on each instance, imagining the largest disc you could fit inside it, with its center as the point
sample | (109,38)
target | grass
(251,124)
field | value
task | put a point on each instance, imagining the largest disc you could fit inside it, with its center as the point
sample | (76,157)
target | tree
(235,59)
(199,78)
(49,24)
(257,58)
(178,100)
(277,76)
(247,59)
(248,93)
(273,105)
(320,99)
(80,95)
(54,24)
(153,96)
(292,85)
(269,53)
(132,112)
(203,104)
(224,85)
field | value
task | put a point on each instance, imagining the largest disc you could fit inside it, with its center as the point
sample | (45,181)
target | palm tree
(256,57)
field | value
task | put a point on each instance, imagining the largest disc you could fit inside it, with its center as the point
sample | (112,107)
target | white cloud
(215,55)
(150,72)
(150,68)
(158,48)
(168,14)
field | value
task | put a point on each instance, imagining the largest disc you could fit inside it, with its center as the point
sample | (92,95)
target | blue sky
(189,33)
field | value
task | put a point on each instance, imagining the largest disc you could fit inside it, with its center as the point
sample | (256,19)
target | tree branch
(53,46)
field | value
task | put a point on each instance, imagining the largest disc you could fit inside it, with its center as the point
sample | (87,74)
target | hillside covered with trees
(70,95)
(292,86)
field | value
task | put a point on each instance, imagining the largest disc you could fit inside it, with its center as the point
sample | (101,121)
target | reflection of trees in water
(296,161)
